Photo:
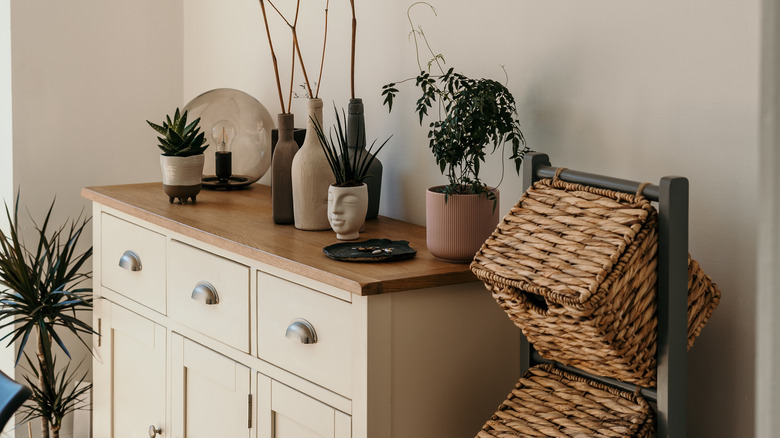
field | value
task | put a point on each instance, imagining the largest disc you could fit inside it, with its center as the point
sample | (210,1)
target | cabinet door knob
(302,331)
(205,293)
(130,261)
(154,431)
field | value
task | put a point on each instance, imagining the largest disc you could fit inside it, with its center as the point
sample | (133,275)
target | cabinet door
(129,373)
(210,393)
(286,413)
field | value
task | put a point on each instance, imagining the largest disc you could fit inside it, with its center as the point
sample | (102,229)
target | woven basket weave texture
(549,402)
(575,268)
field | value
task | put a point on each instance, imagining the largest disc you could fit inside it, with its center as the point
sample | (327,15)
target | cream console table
(215,322)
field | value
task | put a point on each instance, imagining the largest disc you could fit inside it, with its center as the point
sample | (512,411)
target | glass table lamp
(240,144)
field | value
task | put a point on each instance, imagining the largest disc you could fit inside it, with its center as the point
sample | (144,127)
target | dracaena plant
(178,138)
(43,289)
(473,117)
(350,167)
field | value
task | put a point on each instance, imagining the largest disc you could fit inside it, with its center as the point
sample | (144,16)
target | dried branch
(303,68)
(352,59)
(324,43)
(292,79)
(273,55)
(296,46)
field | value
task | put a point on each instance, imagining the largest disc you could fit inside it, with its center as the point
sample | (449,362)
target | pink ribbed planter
(458,228)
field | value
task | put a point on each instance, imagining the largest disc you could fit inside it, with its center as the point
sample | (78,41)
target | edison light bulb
(223,132)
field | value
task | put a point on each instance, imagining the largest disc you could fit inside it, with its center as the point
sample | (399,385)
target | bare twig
(273,56)
(292,79)
(280,13)
(296,45)
(324,43)
(303,68)
(415,32)
(352,59)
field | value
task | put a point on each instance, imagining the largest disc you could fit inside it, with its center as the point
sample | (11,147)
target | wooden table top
(241,222)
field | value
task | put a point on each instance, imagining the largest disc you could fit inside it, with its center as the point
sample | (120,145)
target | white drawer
(328,361)
(141,276)
(193,276)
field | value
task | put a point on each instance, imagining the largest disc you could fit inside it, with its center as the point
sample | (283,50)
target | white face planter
(347,207)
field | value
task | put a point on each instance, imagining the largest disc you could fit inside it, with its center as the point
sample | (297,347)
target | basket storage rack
(541,403)
(669,395)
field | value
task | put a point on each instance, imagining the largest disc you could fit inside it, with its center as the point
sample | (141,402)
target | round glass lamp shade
(238,130)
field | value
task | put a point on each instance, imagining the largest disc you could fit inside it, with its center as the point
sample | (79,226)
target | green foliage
(43,292)
(474,117)
(43,286)
(60,394)
(350,169)
(178,138)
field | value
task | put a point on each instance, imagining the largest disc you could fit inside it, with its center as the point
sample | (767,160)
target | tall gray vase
(281,182)
(356,141)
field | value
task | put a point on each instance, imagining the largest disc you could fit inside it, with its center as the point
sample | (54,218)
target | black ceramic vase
(281,165)
(356,141)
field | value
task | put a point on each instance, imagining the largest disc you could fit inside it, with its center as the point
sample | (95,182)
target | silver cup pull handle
(130,261)
(205,293)
(154,431)
(301,331)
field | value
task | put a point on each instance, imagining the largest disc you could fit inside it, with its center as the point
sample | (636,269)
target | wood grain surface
(240,222)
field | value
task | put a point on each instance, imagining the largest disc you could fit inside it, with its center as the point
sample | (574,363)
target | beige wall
(86,74)
(637,89)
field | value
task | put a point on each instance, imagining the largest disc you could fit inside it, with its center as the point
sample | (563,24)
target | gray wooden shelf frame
(671,194)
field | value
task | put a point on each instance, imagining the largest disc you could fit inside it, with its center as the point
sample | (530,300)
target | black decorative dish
(373,250)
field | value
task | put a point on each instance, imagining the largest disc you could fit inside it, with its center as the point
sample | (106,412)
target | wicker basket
(549,402)
(575,268)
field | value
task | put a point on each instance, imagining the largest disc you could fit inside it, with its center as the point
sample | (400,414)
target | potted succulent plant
(182,157)
(475,117)
(348,196)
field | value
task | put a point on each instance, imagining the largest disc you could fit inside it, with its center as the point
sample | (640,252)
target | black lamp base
(234,182)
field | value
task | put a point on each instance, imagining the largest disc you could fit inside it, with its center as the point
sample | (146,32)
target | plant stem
(42,368)
(273,56)
(300,59)
(324,43)
(296,46)
(435,58)
(352,59)
(292,79)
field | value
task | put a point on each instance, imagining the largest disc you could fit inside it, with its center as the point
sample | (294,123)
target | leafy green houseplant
(472,118)
(182,159)
(477,116)
(348,197)
(43,292)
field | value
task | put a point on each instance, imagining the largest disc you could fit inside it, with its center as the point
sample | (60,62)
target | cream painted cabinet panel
(132,262)
(323,321)
(210,393)
(132,362)
(248,330)
(209,294)
(286,413)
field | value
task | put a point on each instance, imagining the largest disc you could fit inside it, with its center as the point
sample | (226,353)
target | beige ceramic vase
(311,177)
(457,229)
